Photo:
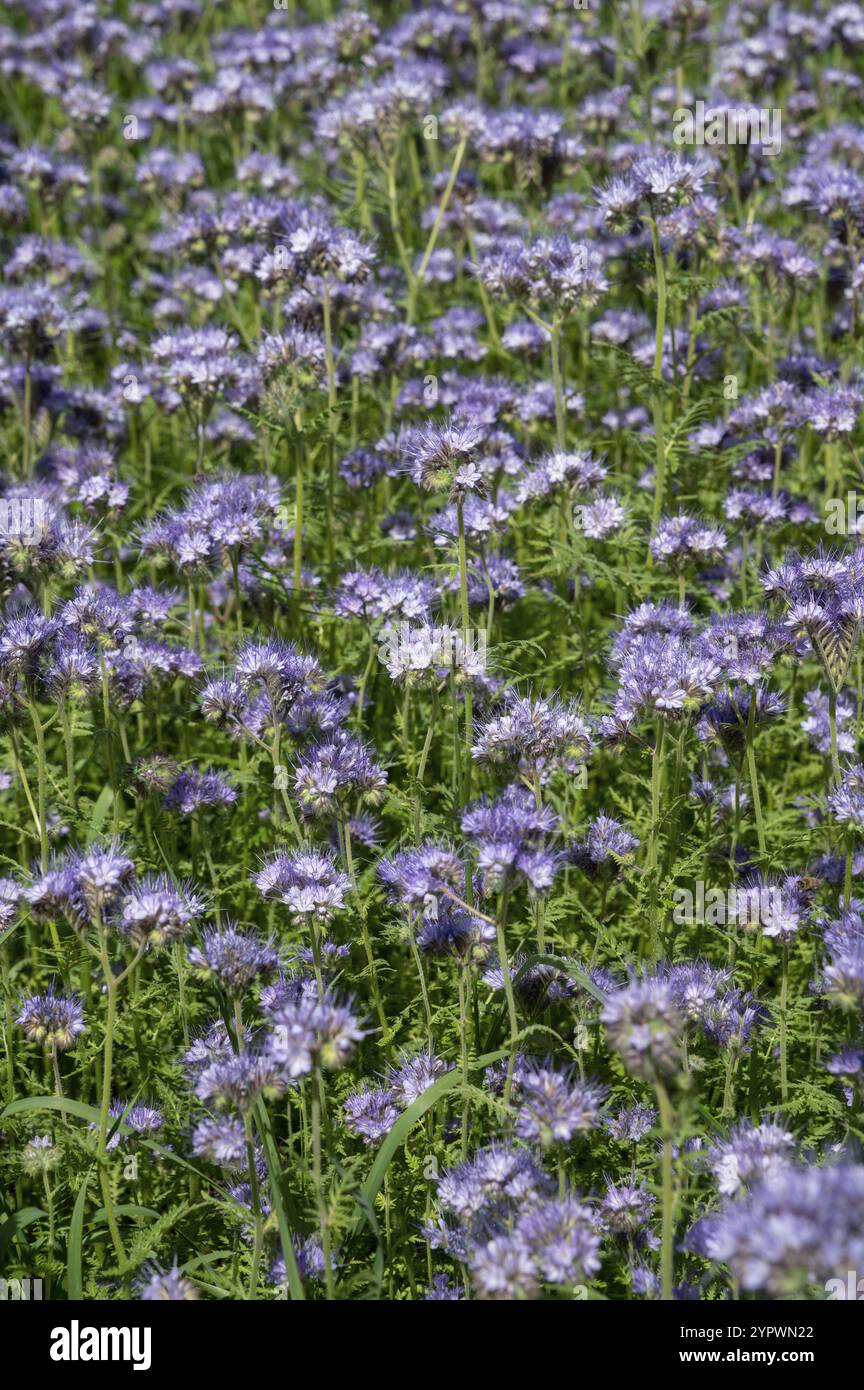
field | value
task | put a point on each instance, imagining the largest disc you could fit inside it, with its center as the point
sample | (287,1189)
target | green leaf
(16,1223)
(65,1106)
(566,968)
(262,1119)
(90,1113)
(403,1126)
(127,1209)
(99,814)
(74,1278)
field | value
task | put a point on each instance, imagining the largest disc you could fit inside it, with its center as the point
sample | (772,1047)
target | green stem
(258,1219)
(393,207)
(668,1199)
(728,1111)
(754,781)
(501,935)
(660,328)
(421,767)
(364,681)
(653,855)
(345,837)
(39,730)
(463,1047)
(832,724)
(181,992)
(105,1100)
(436,228)
(238,602)
(323,1221)
(298,528)
(69,746)
(421,975)
(555,345)
(784,996)
(466,635)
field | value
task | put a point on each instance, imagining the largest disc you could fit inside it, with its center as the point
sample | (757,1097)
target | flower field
(431,686)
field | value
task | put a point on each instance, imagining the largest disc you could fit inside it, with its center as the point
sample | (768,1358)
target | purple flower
(750,1153)
(309,1032)
(334,774)
(193,790)
(661,675)
(160,1285)
(233,958)
(420,876)
(631,1123)
(535,737)
(54,1020)
(644,1026)
(609,845)
(656,182)
(799,1227)
(847,801)
(371,1113)
(308,883)
(414,1075)
(555,1106)
(143,1120)
(222,1140)
(311,1264)
(554,275)
(159,911)
(824,595)
(442,1291)
(103,871)
(626,1207)
(456,933)
(510,837)
(683,540)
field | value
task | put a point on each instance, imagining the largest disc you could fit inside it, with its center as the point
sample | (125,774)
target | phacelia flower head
(53,1019)
(535,737)
(510,836)
(644,1026)
(555,1106)
(166,1286)
(371,1113)
(796,1228)
(749,1154)
(308,882)
(159,911)
(235,959)
(333,775)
